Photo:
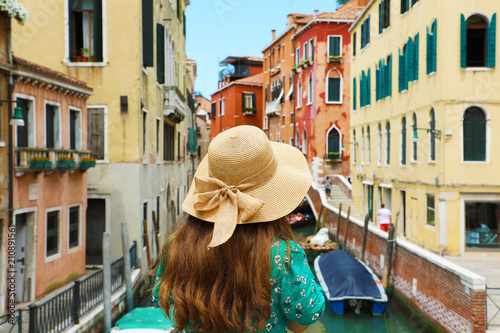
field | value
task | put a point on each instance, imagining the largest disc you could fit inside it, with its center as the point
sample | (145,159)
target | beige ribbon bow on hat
(234,205)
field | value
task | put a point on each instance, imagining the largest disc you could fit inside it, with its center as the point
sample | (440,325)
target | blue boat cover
(346,277)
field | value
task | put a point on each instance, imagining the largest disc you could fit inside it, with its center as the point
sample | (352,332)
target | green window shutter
(474,135)
(254,103)
(192,144)
(312,50)
(369,92)
(463,41)
(242,102)
(71,23)
(389,76)
(429,51)
(410,65)
(415,56)
(331,50)
(491,42)
(433,138)
(377,83)
(333,89)
(434,46)
(147,33)
(97,26)
(336,43)
(354,94)
(160,53)
(380,16)
(362,89)
(368,30)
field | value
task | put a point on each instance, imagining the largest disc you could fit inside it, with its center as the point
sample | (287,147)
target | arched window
(304,143)
(379,144)
(299,92)
(432,136)
(478,39)
(368,146)
(474,134)
(334,150)
(403,141)
(414,154)
(362,145)
(388,143)
(334,87)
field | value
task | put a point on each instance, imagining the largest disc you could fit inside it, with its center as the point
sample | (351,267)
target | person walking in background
(231,265)
(384,218)
(328,186)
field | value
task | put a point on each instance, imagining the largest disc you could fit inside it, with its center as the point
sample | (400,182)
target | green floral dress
(295,293)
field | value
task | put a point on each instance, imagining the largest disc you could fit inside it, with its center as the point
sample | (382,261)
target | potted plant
(249,110)
(66,162)
(85,54)
(335,58)
(334,156)
(87,162)
(40,162)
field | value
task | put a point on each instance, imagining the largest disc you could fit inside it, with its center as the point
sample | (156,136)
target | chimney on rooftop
(290,20)
(363,2)
(316,14)
(273,32)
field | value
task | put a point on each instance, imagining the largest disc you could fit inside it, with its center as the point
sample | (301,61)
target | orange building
(278,83)
(323,86)
(49,197)
(238,99)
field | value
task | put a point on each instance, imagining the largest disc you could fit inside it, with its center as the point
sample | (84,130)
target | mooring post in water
(126,268)
(339,223)
(346,227)
(146,240)
(388,254)
(365,233)
(319,219)
(106,273)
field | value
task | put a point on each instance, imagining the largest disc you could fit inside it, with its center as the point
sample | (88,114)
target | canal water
(398,318)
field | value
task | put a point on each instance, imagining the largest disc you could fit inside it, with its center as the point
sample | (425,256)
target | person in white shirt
(384,218)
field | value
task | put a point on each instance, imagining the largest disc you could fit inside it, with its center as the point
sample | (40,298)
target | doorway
(25,255)
(96,226)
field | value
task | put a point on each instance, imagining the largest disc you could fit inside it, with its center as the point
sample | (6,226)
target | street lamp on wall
(437,133)
(17,118)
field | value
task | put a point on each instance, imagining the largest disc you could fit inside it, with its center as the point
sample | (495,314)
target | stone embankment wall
(447,294)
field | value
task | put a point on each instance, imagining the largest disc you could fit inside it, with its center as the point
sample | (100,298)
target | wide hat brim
(284,191)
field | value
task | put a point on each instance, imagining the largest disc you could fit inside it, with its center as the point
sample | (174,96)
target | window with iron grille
(52,238)
(74,227)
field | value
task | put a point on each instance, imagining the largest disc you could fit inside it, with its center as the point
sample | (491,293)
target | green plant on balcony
(66,162)
(304,63)
(335,58)
(249,110)
(40,162)
(294,68)
(87,162)
(334,156)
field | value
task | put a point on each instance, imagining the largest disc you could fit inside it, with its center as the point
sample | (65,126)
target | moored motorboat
(144,320)
(347,279)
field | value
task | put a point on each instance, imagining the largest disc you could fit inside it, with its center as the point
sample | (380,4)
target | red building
(323,86)
(278,81)
(238,100)
(49,197)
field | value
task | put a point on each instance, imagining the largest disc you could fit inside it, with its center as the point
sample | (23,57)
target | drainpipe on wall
(295,95)
(10,90)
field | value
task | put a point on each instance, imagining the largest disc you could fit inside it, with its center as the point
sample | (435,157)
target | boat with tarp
(144,320)
(347,280)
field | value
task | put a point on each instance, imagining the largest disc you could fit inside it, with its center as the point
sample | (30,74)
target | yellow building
(424,120)
(133,55)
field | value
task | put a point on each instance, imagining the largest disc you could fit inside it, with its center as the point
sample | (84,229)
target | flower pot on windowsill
(249,111)
(40,163)
(66,162)
(335,59)
(87,162)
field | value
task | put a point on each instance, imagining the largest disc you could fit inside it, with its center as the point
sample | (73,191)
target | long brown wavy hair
(221,289)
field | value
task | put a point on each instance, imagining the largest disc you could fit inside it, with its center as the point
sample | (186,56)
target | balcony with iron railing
(50,159)
(174,106)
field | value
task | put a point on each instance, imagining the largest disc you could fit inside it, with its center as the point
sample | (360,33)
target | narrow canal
(397,318)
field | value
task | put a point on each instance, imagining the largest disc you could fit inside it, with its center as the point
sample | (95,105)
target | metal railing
(65,309)
(493,310)
(15,321)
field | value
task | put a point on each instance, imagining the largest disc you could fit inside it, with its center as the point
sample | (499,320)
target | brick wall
(448,295)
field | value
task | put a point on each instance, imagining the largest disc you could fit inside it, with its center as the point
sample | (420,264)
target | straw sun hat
(245,178)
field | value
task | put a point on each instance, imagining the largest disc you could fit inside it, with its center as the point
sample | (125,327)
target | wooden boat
(144,320)
(346,279)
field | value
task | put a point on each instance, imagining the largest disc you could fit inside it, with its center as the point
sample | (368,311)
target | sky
(217,29)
